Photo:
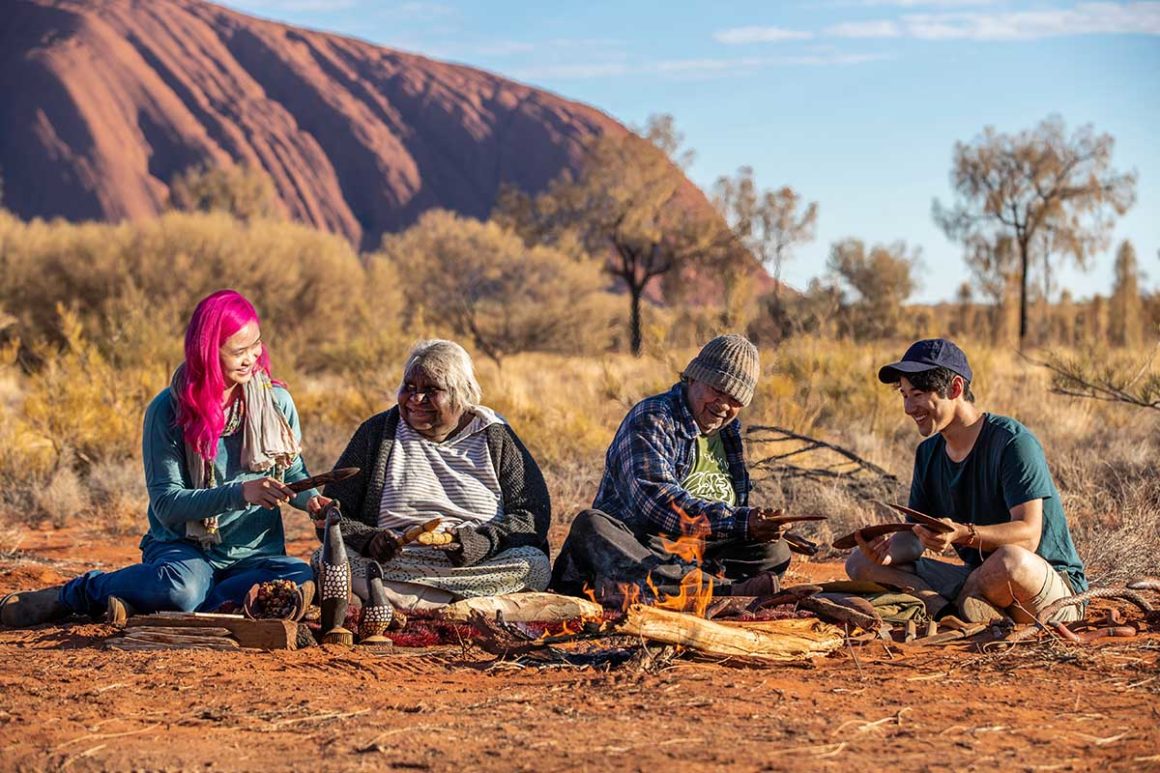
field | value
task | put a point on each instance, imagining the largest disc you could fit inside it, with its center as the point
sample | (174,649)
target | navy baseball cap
(927,355)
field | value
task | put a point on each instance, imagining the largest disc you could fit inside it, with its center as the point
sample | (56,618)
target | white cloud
(583,71)
(1096,18)
(920,3)
(819,60)
(865,29)
(420,9)
(740,35)
(693,68)
(292,6)
(1139,18)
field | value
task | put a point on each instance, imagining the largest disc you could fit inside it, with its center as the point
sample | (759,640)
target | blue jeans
(176,576)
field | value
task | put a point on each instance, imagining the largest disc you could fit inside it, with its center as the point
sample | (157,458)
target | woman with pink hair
(219,445)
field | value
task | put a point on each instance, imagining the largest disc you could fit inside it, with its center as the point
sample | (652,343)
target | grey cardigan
(527,506)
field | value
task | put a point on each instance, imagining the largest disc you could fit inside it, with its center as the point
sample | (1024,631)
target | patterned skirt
(511,571)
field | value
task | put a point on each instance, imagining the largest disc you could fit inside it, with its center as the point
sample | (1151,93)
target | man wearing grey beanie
(676,468)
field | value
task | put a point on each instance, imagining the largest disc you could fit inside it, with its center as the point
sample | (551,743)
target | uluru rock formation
(103,102)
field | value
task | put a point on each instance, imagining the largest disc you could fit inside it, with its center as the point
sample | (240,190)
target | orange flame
(696,588)
(577,626)
(690,546)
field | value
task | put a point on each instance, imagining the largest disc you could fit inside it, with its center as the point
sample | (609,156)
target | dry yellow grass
(568,408)
(90,330)
(65,430)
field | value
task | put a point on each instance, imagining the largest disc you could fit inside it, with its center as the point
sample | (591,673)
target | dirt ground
(70,703)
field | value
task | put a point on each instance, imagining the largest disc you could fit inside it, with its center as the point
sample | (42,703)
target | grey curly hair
(449,365)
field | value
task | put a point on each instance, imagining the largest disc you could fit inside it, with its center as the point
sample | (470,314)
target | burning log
(774,640)
(523,608)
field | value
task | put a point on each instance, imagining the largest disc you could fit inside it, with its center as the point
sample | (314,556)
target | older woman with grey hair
(440,454)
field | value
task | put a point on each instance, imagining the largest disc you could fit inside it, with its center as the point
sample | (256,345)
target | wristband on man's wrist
(972,535)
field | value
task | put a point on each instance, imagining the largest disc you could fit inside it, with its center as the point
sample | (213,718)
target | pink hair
(199,396)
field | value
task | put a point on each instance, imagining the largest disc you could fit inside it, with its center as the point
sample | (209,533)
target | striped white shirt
(454,480)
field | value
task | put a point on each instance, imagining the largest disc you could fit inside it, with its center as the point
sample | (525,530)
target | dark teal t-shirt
(1007,467)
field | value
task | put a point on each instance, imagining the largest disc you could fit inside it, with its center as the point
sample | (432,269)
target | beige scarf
(268,445)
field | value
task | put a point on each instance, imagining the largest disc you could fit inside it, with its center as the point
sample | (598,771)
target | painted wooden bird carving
(334,580)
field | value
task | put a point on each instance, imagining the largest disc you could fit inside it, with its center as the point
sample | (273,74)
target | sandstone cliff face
(102,102)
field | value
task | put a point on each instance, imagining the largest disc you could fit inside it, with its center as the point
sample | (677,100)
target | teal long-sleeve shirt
(246,530)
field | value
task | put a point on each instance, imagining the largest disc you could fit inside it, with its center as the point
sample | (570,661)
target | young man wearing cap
(986,477)
(676,466)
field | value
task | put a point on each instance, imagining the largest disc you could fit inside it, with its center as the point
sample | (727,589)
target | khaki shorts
(947,580)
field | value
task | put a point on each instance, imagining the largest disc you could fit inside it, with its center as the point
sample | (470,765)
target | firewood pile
(505,631)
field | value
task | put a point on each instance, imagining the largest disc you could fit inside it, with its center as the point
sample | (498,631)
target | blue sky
(855,103)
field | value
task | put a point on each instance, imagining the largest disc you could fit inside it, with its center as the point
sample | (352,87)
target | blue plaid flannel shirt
(653,451)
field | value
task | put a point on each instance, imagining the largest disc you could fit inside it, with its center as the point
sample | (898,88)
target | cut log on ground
(181,640)
(523,608)
(133,645)
(773,640)
(251,634)
(207,631)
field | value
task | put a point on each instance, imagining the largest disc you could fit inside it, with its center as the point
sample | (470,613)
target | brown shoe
(118,611)
(32,607)
(760,585)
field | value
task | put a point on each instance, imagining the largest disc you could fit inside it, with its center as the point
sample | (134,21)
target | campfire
(642,615)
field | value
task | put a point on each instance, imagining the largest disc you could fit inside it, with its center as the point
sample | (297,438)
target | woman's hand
(315,508)
(384,546)
(449,547)
(317,504)
(266,492)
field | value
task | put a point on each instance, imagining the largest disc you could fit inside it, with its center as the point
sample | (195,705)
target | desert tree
(1125,308)
(881,278)
(817,311)
(1049,193)
(629,207)
(768,222)
(964,322)
(484,283)
(1063,327)
(242,191)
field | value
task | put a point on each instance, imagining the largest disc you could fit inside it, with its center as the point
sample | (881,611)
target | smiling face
(931,412)
(426,406)
(240,353)
(712,408)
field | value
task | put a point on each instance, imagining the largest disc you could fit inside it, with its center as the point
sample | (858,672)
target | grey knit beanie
(728,363)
